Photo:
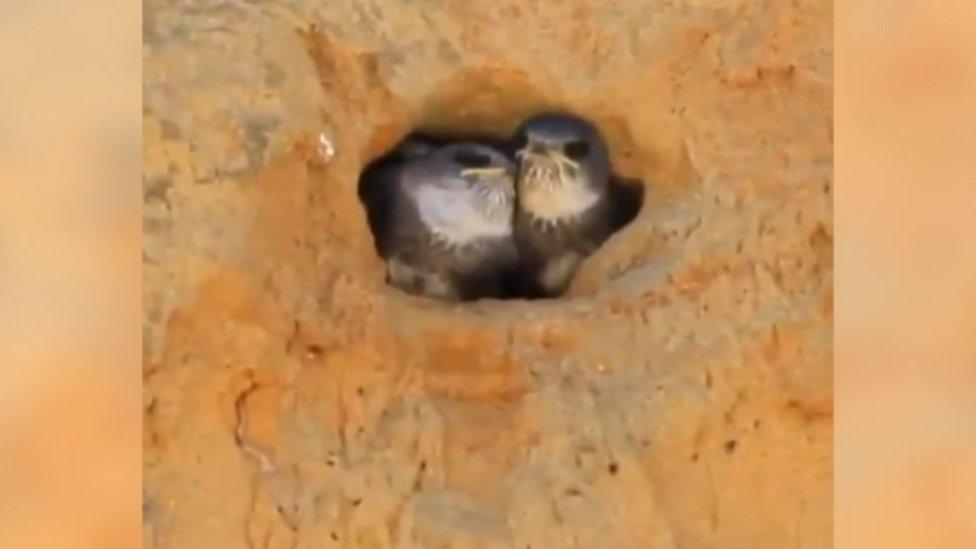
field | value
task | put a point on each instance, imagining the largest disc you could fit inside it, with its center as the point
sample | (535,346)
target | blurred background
(905,301)
(70,397)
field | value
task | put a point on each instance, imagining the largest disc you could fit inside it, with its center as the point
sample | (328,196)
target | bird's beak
(486,172)
(533,149)
(496,176)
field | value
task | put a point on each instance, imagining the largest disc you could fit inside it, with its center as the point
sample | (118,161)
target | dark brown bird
(566,209)
(442,218)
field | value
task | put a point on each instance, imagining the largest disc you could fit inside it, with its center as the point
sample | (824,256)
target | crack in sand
(239,407)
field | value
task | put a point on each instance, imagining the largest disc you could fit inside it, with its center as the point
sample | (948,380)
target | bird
(566,207)
(442,219)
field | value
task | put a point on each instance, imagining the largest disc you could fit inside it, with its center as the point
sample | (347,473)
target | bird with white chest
(449,232)
(564,209)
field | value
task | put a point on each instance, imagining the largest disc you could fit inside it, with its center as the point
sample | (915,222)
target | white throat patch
(558,202)
(454,217)
(550,188)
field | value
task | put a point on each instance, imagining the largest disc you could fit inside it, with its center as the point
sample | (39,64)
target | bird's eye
(471,159)
(576,150)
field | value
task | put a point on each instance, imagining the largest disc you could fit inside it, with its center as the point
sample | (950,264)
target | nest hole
(377,194)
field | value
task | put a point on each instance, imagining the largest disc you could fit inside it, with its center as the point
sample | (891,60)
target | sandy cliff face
(679,396)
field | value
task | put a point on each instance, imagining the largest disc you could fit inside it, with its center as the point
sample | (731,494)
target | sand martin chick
(565,204)
(448,227)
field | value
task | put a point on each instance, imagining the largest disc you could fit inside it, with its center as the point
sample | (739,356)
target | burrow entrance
(381,196)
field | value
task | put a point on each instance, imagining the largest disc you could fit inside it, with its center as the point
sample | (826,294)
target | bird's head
(464,191)
(564,166)
(483,175)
